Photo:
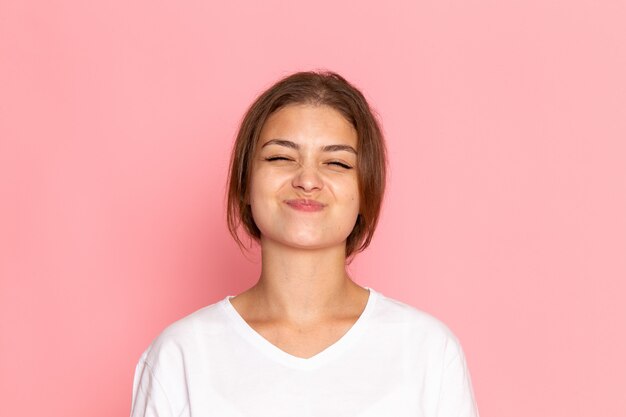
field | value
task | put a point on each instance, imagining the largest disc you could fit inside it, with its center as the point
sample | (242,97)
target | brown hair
(315,88)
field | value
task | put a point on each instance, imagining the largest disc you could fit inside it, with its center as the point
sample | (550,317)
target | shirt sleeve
(149,398)
(456,397)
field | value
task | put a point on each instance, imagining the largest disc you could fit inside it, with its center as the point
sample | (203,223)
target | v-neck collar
(279,355)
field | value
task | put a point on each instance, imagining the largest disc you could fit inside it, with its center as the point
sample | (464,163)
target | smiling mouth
(305,205)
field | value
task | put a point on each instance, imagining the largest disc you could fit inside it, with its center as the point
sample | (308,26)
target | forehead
(305,123)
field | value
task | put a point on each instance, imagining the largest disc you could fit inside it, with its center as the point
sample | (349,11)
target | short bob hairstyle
(321,88)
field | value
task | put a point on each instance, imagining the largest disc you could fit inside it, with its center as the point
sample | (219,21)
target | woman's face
(304,189)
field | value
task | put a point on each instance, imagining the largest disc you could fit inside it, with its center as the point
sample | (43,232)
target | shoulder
(392,311)
(185,335)
(427,350)
(162,372)
(415,326)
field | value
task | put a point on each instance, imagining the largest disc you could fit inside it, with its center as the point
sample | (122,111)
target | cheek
(354,200)
(351,202)
(264,190)
(258,184)
(256,200)
(255,195)
(351,190)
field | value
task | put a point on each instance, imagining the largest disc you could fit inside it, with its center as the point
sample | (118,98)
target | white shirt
(394,361)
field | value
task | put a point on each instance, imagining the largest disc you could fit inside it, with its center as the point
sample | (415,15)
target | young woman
(307,178)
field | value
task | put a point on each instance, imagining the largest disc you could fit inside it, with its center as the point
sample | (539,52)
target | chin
(308,242)
(311,244)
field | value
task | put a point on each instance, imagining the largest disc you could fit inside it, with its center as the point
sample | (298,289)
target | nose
(307,179)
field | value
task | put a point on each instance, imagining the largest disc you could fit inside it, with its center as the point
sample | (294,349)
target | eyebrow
(293,145)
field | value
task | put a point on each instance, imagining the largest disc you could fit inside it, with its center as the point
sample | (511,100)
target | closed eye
(339,164)
(277,158)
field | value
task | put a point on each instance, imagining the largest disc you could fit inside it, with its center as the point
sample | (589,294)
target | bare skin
(304,300)
(302,313)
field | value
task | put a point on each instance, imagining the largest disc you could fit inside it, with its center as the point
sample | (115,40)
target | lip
(305,205)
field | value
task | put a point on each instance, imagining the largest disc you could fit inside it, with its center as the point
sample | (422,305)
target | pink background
(505,217)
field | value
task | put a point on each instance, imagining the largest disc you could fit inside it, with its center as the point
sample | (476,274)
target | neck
(303,285)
